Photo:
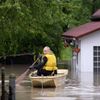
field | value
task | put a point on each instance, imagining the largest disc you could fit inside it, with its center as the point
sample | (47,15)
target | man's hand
(40,56)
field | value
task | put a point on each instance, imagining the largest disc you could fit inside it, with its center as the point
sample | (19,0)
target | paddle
(23,75)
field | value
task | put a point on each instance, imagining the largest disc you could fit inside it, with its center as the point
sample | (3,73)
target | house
(86,37)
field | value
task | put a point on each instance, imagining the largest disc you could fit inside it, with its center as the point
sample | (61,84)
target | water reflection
(79,86)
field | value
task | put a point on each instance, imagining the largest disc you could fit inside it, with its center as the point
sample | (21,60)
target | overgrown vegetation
(29,25)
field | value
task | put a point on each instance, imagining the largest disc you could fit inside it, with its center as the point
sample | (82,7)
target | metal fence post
(12,87)
(2,83)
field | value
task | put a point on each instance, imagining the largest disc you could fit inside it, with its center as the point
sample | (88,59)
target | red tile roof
(82,30)
(85,28)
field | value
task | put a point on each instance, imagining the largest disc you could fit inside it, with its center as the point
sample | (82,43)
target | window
(96,56)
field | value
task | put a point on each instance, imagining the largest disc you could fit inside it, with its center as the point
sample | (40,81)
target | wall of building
(85,57)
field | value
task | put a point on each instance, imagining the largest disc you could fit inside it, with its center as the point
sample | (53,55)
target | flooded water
(79,86)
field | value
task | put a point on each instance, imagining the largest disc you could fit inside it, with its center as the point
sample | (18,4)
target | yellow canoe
(49,81)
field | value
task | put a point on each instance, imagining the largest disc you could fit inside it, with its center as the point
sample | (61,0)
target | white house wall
(79,57)
(85,58)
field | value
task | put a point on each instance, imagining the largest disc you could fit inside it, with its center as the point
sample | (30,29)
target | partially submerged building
(86,38)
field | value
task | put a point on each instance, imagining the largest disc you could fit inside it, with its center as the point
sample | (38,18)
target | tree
(29,25)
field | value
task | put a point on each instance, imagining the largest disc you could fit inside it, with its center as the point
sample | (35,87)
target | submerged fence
(7,94)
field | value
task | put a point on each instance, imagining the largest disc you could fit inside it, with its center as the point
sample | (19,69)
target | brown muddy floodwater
(79,86)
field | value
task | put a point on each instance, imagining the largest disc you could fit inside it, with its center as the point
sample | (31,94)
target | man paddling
(47,65)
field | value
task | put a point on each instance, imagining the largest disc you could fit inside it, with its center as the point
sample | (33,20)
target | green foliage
(66,53)
(29,25)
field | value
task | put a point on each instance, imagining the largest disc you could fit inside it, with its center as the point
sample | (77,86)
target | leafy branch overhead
(29,25)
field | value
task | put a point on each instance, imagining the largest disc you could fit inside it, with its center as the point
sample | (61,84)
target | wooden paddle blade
(22,76)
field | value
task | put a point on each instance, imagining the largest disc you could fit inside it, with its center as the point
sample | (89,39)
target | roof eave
(79,36)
